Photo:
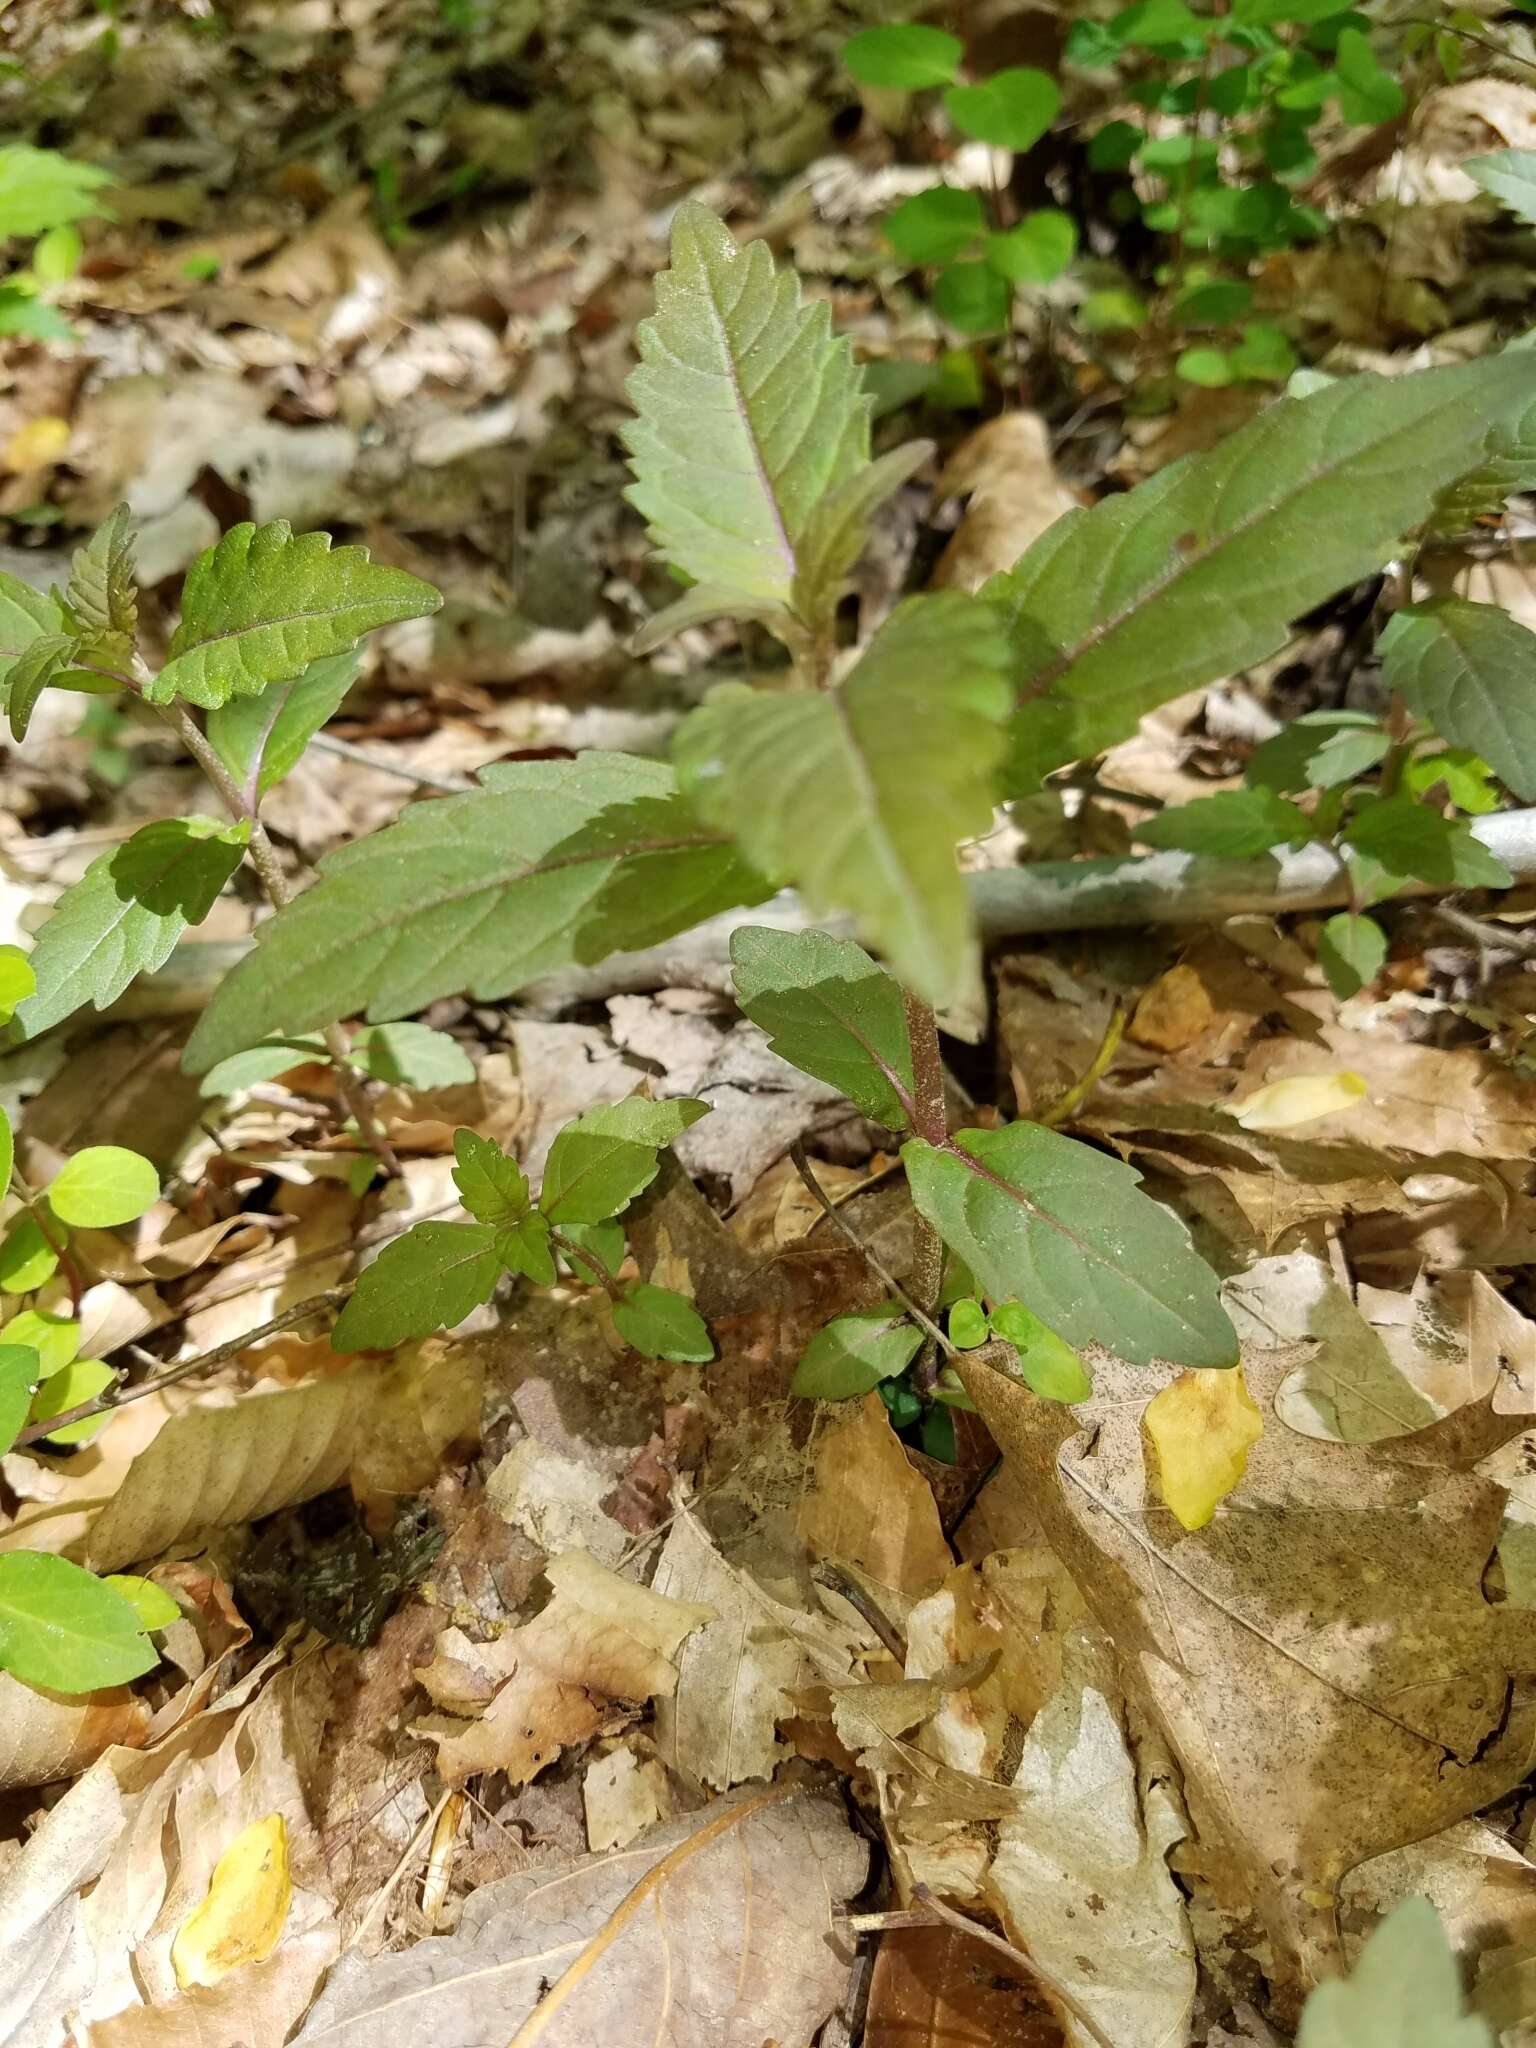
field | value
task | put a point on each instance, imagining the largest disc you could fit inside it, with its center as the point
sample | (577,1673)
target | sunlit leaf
(279,724)
(60,1627)
(102,1186)
(829,1010)
(907,55)
(660,1323)
(1201,1429)
(429,1279)
(1301,1099)
(603,1159)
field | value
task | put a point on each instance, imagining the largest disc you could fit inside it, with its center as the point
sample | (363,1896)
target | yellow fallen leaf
(37,444)
(243,1914)
(1201,1428)
(1299,1100)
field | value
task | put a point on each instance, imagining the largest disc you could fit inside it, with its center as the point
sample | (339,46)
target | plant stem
(37,1209)
(1098,1066)
(925,1322)
(578,1255)
(931,1123)
(269,870)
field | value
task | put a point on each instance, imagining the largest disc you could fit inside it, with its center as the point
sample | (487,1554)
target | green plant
(851,774)
(43,196)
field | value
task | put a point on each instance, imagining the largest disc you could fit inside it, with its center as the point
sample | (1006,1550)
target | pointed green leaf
(491,1185)
(1510,175)
(19,1374)
(266,602)
(837,529)
(1042,1219)
(1470,669)
(262,1063)
(103,592)
(829,1010)
(1459,774)
(26,615)
(125,914)
(277,726)
(659,1323)
(903,55)
(1367,94)
(852,1354)
(707,602)
(103,1186)
(605,1241)
(429,1279)
(31,673)
(1047,1363)
(1404,1992)
(1411,838)
(1351,950)
(17,982)
(1236,824)
(1011,110)
(1510,467)
(859,795)
(61,1627)
(748,410)
(549,862)
(412,1056)
(1200,570)
(40,189)
(605,1158)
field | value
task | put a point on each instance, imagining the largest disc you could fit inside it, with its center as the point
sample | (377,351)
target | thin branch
(881,1272)
(344,750)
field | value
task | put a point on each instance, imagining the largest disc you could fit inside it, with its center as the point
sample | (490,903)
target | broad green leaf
(853,1353)
(837,529)
(39,189)
(17,982)
(605,1242)
(934,226)
(1470,669)
(62,1628)
(412,1056)
(19,1374)
(151,1603)
(1319,750)
(429,1279)
(659,1323)
(82,1380)
(125,914)
(1351,950)
(30,674)
(1042,1219)
(494,1191)
(1404,1992)
(1152,23)
(1236,824)
(605,1158)
(1464,777)
(859,795)
(53,1340)
(1047,1363)
(277,726)
(103,592)
(1200,570)
(1510,467)
(266,602)
(972,297)
(1012,109)
(1412,838)
(103,1186)
(907,55)
(1037,250)
(27,1260)
(549,862)
(748,410)
(1367,94)
(1214,302)
(829,1010)
(968,1325)
(262,1063)
(1510,175)
(1211,368)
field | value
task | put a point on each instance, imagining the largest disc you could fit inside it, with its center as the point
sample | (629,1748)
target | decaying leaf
(717,1929)
(868,1507)
(242,1917)
(1201,1427)
(44,1735)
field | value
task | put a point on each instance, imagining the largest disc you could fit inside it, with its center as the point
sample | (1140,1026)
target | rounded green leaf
(854,1353)
(1037,250)
(1111,311)
(61,1627)
(659,1323)
(972,297)
(1049,1365)
(967,1325)
(80,1381)
(103,1186)
(17,982)
(1211,367)
(19,1374)
(1263,354)
(1351,950)
(1115,146)
(907,55)
(151,1603)
(413,1056)
(934,226)
(27,1260)
(1011,110)
(53,1340)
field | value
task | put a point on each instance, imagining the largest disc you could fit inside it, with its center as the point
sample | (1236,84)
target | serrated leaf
(103,1186)
(412,1056)
(1201,1428)
(660,1323)
(103,592)
(26,615)
(604,1158)
(278,725)
(17,982)
(265,602)
(1470,669)
(1042,1219)
(859,795)
(62,1628)
(748,410)
(838,527)
(494,1191)
(40,189)
(125,914)
(429,1279)
(31,673)
(853,1353)
(1510,176)
(1510,467)
(1404,1992)
(1351,950)
(905,55)
(1235,824)
(1412,838)
(19,1374)
(1200,570)
(548,863)
(1463,776)
(829,1010)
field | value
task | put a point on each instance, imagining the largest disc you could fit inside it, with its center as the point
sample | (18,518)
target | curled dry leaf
(868,1506)
(1314,1655)
(718,1929)
(48,1735)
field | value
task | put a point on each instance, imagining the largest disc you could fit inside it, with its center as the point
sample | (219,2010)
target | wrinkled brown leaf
(868,1506)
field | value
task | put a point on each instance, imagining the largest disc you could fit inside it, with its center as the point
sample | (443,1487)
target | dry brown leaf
(555,1680)
(255,2006)
(623,1795)
(50,1735)
(868,1506)
(1005,469)
(1314,1655)
(934,1987)
(737,1674)
(383,1427)
(717,1930)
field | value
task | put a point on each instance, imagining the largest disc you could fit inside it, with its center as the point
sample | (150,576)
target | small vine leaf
(660,1323)
(62,1628)
(103,1186)
(603,1159)
(852,1354)
(429,1279)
